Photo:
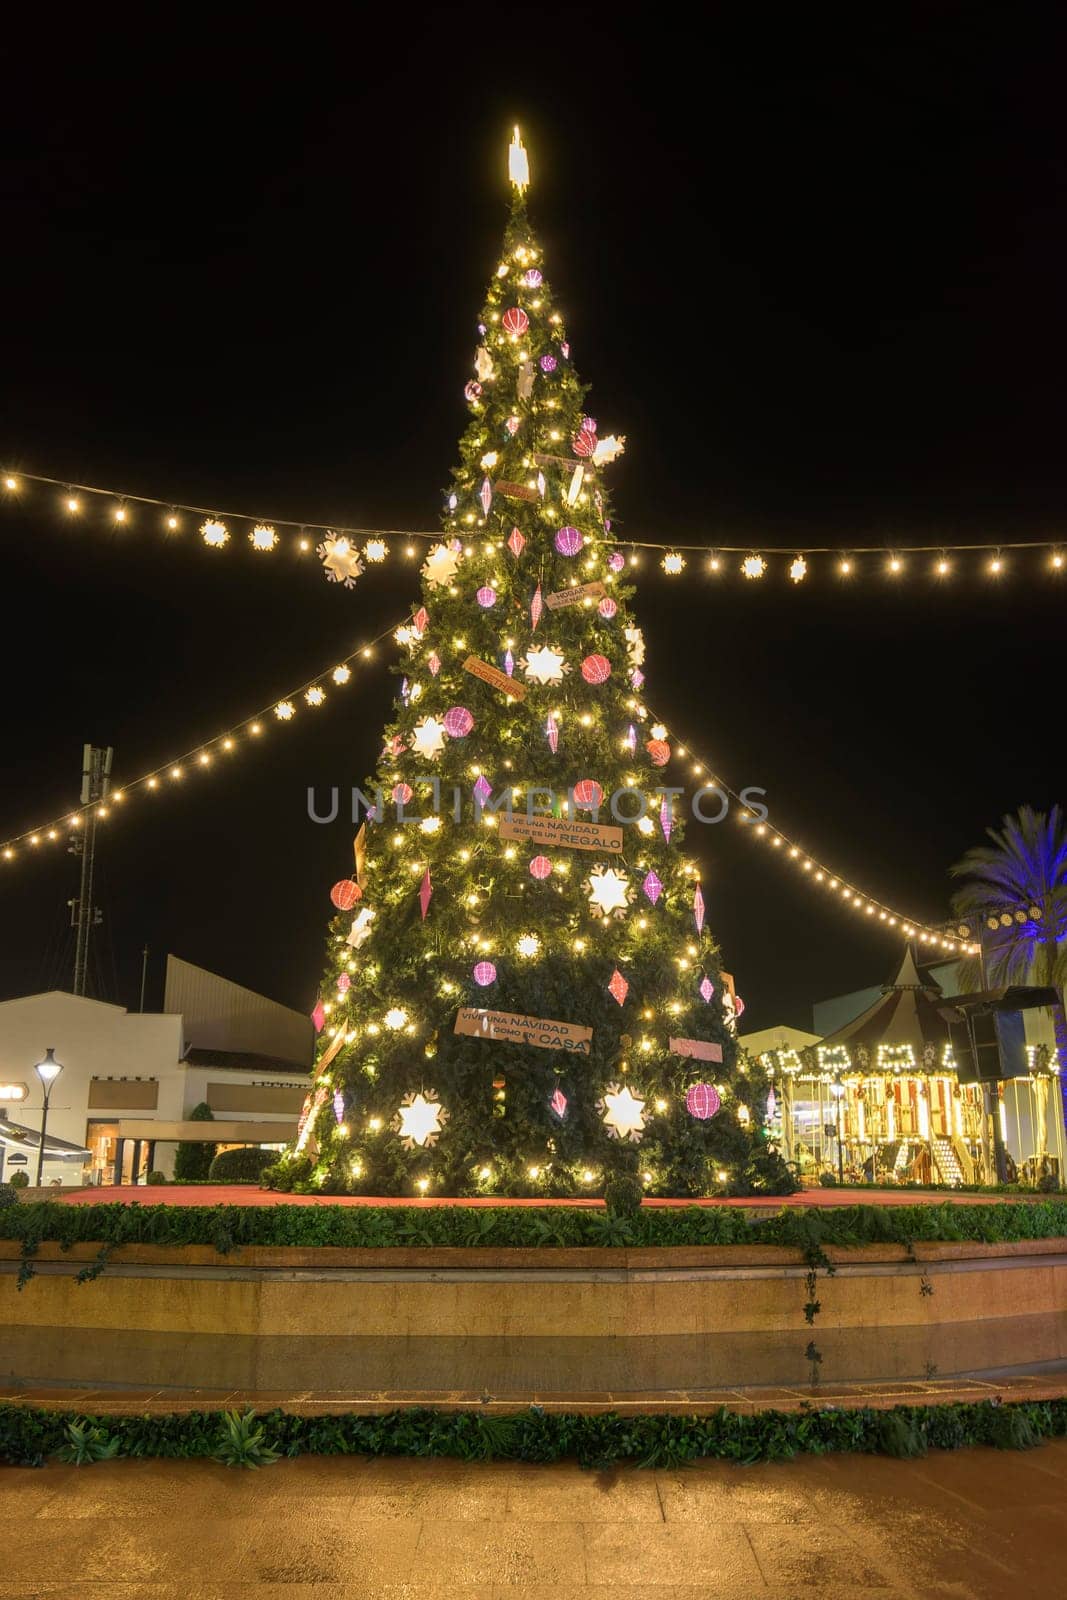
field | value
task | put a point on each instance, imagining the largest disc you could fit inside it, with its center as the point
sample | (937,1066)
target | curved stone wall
(527,1322)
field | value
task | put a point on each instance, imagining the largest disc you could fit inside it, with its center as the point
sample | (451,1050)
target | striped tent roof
(905,1013)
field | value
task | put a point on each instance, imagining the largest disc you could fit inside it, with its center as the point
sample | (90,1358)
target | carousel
(879,1101)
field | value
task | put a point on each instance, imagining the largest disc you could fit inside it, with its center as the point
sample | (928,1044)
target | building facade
(124,1070)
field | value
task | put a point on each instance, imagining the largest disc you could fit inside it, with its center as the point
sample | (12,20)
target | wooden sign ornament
(494,677)
(512,1027)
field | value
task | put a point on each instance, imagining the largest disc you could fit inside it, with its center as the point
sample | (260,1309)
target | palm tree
(1015,899)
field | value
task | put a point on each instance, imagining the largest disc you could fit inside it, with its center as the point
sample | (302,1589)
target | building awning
(218,1132)
(13,1136)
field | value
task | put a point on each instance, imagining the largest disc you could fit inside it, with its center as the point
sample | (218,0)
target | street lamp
(48,1071)
(837,1090)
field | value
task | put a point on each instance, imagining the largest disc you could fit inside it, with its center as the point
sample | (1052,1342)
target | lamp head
(49,1069)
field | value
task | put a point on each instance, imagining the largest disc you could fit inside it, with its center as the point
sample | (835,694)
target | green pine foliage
(394,984)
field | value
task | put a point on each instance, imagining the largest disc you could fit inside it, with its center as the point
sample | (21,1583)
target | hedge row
(227,1228)
(28,1437)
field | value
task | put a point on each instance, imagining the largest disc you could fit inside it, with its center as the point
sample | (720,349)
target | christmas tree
(521,995)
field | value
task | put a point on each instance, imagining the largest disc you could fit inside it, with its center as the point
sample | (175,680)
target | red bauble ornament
(660,751)
(607,607)
(588,794)
(702,1101)
(540,867)
(596,669)
(345,894)
(583,444)
(515,320)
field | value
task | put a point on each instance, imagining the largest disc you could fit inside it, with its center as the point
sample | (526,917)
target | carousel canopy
(906,1012)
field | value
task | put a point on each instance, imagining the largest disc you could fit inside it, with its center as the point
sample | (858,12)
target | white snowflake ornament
(340,558)
(635,644)
(419,1120)
(357,933)
(544,666)
(609,891)
(428,738)
(440,566)
(623,1112)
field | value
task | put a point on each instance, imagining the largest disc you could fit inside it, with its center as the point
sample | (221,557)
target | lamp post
(48,1071)
(838,1090)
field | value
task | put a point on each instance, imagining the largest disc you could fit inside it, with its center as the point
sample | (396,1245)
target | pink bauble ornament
(565,350)
(402,793)
(486,597)
(660,751)
(344,983)
(458,722)
(583,443)
(607,607)
(515,320)
(569,541)
(484,974)
(532,277)
(547,363)
(345,894)
(540,867)
(702,1100)
(588,794)
(589,425)
(472,391)
(596,669)
(616,561)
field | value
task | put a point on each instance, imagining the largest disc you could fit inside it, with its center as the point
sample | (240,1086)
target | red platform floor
(173,1194)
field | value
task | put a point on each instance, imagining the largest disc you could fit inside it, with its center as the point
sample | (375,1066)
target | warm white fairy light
(673,563)
(753,566)
(263,536)
(798,569)
(285,710)
(315,696)
(341,675)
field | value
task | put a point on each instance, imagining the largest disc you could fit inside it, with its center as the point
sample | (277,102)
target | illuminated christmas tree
(521,994)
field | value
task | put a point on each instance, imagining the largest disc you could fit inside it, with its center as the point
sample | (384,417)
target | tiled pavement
(1047,1385)
(970,1525)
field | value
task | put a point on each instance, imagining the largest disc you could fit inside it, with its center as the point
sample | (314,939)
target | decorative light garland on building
(835,885)
(799,564)
(201,757)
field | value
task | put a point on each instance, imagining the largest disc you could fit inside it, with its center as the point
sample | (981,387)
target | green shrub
(156,1178)
(242,1165)
(194,1160)
(8,1194)
(19,1180)
(827,1180)
(623,1195)
(30,1437)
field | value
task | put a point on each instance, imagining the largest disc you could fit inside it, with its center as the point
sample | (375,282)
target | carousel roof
(905,1013)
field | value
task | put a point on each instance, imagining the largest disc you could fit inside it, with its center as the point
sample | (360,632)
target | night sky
(816,277)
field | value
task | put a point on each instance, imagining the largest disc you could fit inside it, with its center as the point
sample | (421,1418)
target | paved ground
(972,1525)
(173,1194)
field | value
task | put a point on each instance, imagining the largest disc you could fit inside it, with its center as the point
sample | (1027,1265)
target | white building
(130,1080)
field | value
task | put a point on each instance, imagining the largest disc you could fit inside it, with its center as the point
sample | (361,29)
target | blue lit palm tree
(1015,898)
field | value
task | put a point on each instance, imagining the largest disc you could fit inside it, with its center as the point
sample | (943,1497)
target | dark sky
(815,275)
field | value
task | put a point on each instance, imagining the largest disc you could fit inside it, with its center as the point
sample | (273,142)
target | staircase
(947,1161)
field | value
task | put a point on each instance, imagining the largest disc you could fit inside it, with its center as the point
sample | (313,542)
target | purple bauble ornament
(532,278)
(484,974)
(486,597)
(458,722)
(702,1100)
(569,541)
(616,561)
(547,363)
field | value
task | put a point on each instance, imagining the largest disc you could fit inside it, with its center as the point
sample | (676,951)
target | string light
(825,877)
(797,564)
(200,756)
